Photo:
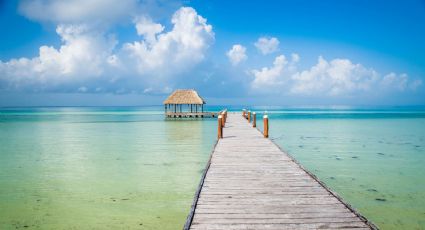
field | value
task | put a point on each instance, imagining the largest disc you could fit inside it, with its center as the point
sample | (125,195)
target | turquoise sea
(130,168)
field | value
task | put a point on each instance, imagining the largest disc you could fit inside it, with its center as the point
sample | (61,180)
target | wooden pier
(250,183)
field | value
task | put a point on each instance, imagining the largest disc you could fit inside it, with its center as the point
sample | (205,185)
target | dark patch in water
(332,178)
(300,146)
(363,146)
(417,146)
(125,199)
(382,154)
(381,199)
(338,158)
(372,190)
(355,157)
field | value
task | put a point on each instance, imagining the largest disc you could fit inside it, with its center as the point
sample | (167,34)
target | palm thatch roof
(184,96)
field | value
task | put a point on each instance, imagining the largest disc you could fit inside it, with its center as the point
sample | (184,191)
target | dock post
(249,116)
(223,119)
(243,112)
(254,119)
(220,127)
(266,126)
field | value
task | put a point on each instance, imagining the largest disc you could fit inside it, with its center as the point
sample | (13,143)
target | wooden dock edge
(336,195)
(198,191)
(191,214)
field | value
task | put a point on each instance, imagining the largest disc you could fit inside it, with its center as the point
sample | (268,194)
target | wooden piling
(249,116)
(254,119)
(266,126)
(223,122)
(220,127)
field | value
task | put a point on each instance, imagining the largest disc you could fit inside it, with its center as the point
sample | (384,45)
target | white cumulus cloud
(237,54)
(91,57)
(269,78)
(77,11)
(338,77)
(267,45)
(168,52)
(82,55)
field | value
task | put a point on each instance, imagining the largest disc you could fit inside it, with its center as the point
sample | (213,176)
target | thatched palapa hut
(185,103)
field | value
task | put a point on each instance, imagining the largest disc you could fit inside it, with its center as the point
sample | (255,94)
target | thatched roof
(184,96)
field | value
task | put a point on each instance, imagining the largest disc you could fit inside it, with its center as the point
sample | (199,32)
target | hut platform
(250,183)
(190,115)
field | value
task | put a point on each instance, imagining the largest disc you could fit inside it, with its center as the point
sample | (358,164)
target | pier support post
(266,126)
(254,119)
(223,119)
(249,116)
(220,127)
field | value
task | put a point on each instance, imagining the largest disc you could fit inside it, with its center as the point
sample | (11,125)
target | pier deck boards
(251,184)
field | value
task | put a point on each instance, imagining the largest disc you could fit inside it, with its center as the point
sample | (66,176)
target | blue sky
(133,52)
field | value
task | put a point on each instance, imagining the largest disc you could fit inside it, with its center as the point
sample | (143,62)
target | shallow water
(97,168)
(374,159)
(129,168)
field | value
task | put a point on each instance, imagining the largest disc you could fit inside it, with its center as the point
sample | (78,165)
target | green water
(129,168)
(92,168)
(374,159)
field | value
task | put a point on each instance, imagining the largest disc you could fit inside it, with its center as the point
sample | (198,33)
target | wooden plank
(250,183)
(354,225)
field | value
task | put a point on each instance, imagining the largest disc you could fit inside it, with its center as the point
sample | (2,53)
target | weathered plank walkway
(250,183)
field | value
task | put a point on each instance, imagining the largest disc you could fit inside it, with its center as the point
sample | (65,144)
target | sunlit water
(99,168)
(129,168)
(374,159)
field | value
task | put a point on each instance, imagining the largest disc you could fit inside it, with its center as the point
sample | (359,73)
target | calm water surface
(374,159)
(129,168)
(99,168)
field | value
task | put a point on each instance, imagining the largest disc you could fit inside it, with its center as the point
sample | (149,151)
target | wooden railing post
(254,119)
(220,127)
(266,126)
(223,119)
(249,116)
